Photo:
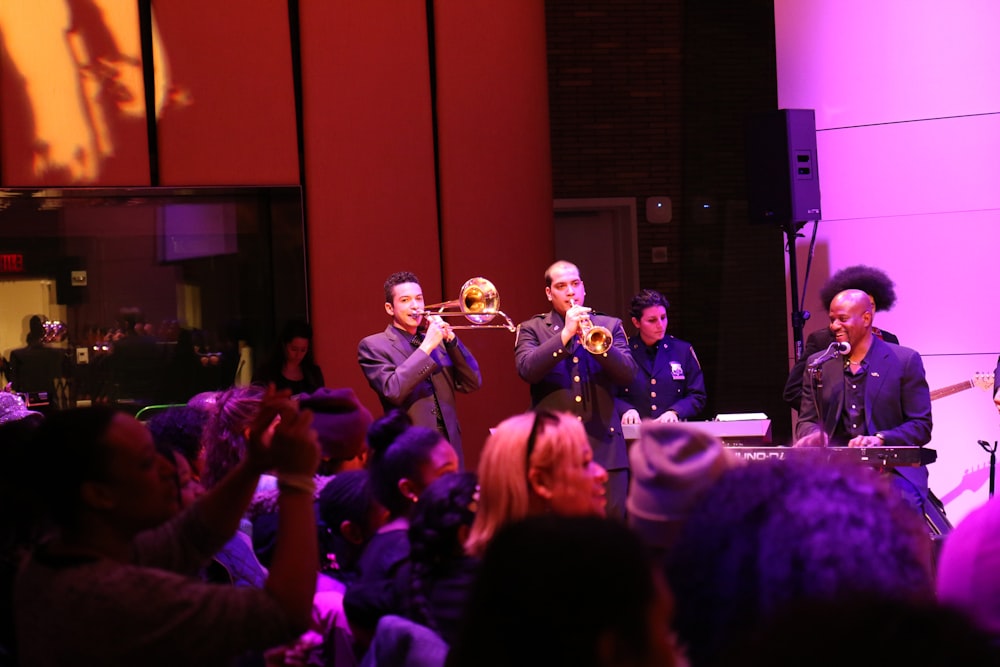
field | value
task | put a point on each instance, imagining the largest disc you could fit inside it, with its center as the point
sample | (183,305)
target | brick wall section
(615,104)
(649,97)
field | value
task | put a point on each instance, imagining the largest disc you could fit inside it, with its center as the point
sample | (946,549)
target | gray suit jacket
(403,377)
(570,379)
(897,401)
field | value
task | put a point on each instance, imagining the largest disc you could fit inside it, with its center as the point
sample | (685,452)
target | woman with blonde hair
(535,463)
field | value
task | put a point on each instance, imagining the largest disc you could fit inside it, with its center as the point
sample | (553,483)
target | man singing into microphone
(875,394)
(418,363)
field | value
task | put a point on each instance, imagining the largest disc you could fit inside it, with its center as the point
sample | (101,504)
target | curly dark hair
(398,449)
(868,279)
(398,278)
(777,533)
(346,497)
(179,427)
(449,503)
(647,298)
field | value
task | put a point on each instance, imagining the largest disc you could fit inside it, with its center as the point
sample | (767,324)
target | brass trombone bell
(478,302)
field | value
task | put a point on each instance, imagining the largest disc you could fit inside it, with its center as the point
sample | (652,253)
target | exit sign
(11,263)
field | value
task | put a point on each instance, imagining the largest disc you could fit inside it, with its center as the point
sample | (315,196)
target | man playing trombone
(418,363)
(575,361)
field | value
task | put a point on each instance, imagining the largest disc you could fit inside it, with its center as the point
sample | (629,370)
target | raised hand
(281,436)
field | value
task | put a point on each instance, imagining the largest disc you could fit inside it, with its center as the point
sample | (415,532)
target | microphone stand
(993,462)
(816,379)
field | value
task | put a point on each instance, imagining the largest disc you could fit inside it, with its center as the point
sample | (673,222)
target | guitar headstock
(983,381)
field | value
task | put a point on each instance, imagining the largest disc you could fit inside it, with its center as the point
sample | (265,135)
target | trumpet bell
(597,340)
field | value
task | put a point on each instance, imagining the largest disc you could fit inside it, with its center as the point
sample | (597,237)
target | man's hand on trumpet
(576,317)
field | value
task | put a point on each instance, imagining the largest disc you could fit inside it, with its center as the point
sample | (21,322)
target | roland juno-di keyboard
(877,457)
(749,440)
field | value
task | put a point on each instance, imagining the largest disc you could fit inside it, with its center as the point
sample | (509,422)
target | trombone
(594,338)
(478,302)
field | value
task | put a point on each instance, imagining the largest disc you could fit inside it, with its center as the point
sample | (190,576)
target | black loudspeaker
(782,167)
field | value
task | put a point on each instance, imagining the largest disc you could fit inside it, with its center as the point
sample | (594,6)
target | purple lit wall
(908,138)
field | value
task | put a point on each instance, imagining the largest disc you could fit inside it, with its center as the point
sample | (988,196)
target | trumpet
(594,338)
(478,301)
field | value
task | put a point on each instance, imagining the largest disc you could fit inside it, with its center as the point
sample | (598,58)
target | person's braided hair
(447,504)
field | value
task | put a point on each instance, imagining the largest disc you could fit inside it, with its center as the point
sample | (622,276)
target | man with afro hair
(876,284)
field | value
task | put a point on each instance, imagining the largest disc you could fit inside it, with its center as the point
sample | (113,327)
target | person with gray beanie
(673,465)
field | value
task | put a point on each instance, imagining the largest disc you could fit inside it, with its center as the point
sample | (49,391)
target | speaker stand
(799,317)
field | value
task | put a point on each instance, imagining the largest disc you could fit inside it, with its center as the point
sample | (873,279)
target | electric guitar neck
(982,380)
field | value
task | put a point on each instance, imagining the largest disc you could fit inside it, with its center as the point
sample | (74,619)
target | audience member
(177,435)
(291,364)
(225,432)
(342,424)
(181,427)
(404,461)
(565,376)
(873,282)
(418,363)
(669,384)
(400,642)
(673,466)
(433,584)
(780,532)
(113,586)
(349,516)
(20,528)
(226,437)
(968,569)
(555,590)
(535,463)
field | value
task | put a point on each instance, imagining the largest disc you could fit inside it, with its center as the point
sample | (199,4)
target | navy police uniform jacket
(672,380)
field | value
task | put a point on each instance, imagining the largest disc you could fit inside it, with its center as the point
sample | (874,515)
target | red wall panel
(495,180)
(369,169)
(230,113)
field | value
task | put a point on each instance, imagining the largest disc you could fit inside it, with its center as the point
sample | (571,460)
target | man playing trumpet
(418,363)
(578,376)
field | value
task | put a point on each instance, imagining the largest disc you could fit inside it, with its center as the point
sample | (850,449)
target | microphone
(835,350)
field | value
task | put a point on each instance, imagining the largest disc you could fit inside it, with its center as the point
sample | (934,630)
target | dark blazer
(399,372)
(817,341)
(897,401)
(35,368)
(672,381)
(571,379)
